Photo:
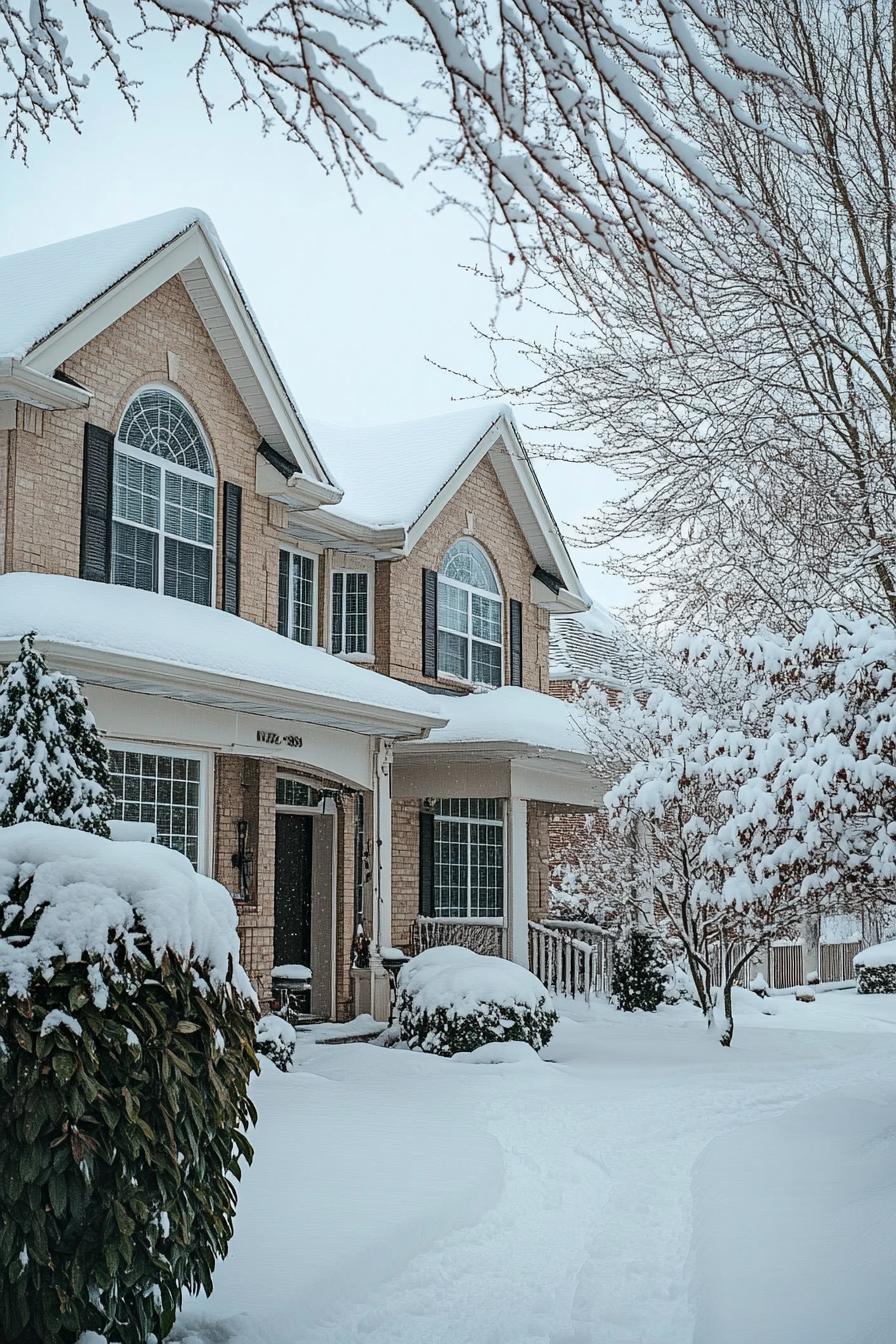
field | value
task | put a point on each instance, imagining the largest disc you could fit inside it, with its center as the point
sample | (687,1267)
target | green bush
(639,971)
(276,1039)
(452,1000)
(876,979)
(123,1117)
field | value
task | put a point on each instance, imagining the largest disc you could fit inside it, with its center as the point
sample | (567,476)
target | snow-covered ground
(638,1185)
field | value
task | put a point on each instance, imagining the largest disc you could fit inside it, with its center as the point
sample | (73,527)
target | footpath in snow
(638,1185)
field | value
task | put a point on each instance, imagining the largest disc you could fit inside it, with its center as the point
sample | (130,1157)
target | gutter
(19,382)
(120,670)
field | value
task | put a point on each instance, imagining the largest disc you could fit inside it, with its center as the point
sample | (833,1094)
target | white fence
(571,960)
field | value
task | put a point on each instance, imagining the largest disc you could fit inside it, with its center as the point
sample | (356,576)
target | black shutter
(96,505)
(283,595)
(233,513)
(430,608)
(516,642)
(427,863)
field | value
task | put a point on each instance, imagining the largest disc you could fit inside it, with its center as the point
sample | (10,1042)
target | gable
(74,290)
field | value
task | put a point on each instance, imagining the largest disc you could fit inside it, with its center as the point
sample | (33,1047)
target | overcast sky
(353,304)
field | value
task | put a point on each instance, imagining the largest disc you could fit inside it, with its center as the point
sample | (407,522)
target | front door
(292,890)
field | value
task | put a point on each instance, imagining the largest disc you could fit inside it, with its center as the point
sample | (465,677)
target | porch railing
(486,936)
(571,960)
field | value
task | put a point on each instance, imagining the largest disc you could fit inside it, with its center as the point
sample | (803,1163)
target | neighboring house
(277,625)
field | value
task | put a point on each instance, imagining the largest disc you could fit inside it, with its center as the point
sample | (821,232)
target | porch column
(517,901)
(382,877)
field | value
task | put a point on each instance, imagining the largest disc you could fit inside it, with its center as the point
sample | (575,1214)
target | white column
(516,822)
(382,876)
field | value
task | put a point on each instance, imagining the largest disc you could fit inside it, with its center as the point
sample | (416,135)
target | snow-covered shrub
(451,999)
(876,969)
(54,766)
(678,984)
(276,1038)
(126,1047)
(639,965)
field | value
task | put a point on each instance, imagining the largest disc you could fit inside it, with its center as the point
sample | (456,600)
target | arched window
(163,500)
(470,616)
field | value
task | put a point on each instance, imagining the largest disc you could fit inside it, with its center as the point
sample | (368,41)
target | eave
(20,382)
(150,676)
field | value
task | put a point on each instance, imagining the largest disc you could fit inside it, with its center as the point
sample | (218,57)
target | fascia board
(155,677)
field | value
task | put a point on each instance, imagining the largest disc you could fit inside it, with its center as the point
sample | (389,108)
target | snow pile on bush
(451,999)
(276,1038)
(876,969)
(126,1047)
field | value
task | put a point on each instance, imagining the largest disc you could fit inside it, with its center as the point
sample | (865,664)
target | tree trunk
(727,1033)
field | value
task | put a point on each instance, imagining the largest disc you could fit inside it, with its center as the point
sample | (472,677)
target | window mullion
(469,871)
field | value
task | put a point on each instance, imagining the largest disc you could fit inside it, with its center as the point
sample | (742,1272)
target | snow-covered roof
(397,478)
(42,288)
(55,299)
(510,716)
(390,473)
(589,646)
(221,659)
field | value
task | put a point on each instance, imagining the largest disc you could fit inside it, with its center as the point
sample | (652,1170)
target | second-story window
(470,616)
(163,500)
(350,611)
(297,596)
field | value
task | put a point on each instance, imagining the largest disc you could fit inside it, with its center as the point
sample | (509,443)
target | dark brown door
(292,891)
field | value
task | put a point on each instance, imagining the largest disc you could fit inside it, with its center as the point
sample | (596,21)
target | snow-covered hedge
(451,999)
(126,1047)
(276,1038)
(876,969)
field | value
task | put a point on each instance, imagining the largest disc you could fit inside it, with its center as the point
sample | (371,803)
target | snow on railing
(570,959)
(485,936)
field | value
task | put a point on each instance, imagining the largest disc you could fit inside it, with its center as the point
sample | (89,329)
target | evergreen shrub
(639,971)
(126,1047)
(452,1000)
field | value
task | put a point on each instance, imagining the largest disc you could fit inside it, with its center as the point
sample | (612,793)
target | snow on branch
(566,118)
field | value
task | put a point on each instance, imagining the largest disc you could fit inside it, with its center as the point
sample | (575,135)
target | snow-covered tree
(752,418)
(724,875)
(565,115)
(765,778)
(53,764)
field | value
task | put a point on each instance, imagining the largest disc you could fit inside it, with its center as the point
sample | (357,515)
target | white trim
(315,558)
(498,821)
(471,590)
(20,383)
(164,465)
(367,655)
(206,759)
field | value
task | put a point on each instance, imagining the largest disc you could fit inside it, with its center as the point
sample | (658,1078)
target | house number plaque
(278,739)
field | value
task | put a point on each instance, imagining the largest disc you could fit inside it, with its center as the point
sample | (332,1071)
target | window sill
(476,686)
(368,658)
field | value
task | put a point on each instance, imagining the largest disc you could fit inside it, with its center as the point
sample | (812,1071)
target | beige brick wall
(405,870)
(44,518)
(480,511)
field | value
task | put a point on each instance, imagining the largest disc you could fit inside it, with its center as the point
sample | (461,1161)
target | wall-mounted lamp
(242,859)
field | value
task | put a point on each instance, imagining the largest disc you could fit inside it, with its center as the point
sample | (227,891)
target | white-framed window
(163,500)
(470,616)
(166,786)
(350,611)
(468,858)
(297,597)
